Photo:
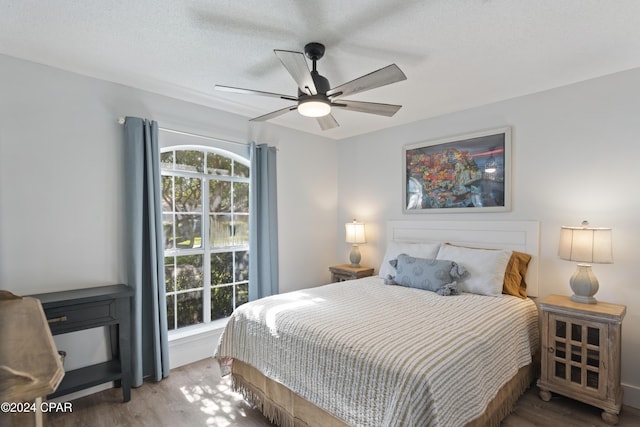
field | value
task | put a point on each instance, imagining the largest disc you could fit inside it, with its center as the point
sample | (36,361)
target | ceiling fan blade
(253,92)
(368,107)
(327,122)
(297,66)
(274,114)
(382,77)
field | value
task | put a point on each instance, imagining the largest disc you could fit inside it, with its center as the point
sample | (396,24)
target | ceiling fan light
(314,108)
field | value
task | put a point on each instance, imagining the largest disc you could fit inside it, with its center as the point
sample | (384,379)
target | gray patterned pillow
(434,275)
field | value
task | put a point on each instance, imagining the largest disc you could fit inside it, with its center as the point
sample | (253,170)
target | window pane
(221,268)
(576,354)
(167,230)
(188,272)
(593,336)
(561,329)
(166,160)
(241,197)
(220,231)
(219,196)
(576,375)
(561,370)
(560,350)
(218,165)
(171,312)
(189,308)
(190,160)
(188,231)
(241,229)
(576,332)
(592,379)
(167,194)
(169,273)
(221,302)
(242,266)
(188,194)
(240,170)
(242,294)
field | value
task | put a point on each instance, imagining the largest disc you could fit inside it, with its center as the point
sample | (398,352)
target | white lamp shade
(355,233)
(586,244)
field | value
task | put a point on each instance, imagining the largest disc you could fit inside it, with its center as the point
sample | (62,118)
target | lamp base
(355,256)
(584,285)
(583,300)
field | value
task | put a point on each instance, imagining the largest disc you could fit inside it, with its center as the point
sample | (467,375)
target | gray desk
(79,309)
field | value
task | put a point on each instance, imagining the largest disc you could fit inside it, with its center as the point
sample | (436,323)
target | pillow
(419,250)
(514,275)
(486,268)
(514,283)
(429,274)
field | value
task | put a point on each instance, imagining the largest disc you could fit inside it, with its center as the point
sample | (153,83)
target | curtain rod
(121,121)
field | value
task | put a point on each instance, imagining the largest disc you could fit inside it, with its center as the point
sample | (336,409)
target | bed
(370,352)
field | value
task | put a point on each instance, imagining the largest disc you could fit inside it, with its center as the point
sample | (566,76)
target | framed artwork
(467,173)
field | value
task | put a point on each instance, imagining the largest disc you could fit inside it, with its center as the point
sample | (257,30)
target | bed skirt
(285,408)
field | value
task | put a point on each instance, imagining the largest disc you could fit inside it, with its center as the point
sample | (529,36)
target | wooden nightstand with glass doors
(581,347)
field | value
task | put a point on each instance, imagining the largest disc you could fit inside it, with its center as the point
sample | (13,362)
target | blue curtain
(145,259)
(263,226)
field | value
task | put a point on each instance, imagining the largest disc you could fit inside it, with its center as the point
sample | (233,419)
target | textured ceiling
(456,54)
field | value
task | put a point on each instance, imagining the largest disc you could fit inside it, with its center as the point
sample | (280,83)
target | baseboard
(631,395)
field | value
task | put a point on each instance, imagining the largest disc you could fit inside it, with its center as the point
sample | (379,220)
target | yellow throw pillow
(514,282)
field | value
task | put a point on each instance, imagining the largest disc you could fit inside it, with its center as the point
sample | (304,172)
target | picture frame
(465,173)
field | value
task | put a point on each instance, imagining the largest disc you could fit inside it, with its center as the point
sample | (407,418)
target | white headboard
(522,236)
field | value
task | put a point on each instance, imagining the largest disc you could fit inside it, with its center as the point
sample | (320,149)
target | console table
(78,309)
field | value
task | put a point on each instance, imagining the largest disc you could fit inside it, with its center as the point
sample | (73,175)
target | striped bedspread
(381,355)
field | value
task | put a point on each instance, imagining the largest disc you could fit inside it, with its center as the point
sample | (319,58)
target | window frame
(206,249)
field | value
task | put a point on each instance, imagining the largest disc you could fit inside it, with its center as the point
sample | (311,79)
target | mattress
(383,355)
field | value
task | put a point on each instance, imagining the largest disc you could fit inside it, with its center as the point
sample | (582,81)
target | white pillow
(486,268)
(416,250)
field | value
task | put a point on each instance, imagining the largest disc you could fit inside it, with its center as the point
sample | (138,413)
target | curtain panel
(145,260)
(263,223)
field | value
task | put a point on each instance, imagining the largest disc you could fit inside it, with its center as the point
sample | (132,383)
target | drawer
(75,317)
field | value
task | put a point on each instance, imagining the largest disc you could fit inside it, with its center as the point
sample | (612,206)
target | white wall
(61,185)
(61,157)
(576,154)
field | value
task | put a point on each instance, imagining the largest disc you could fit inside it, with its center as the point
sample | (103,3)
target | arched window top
(207,160)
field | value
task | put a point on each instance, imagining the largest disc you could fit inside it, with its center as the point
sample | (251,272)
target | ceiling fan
(316,98)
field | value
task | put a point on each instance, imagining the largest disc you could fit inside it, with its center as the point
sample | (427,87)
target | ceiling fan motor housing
(322,86)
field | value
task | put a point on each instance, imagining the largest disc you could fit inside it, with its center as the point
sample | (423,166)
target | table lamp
(355,235)
(585,245)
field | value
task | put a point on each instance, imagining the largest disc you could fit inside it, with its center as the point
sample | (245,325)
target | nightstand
(340,273)
(581,353)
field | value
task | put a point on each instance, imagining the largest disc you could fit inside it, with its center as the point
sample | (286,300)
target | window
(205,215)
